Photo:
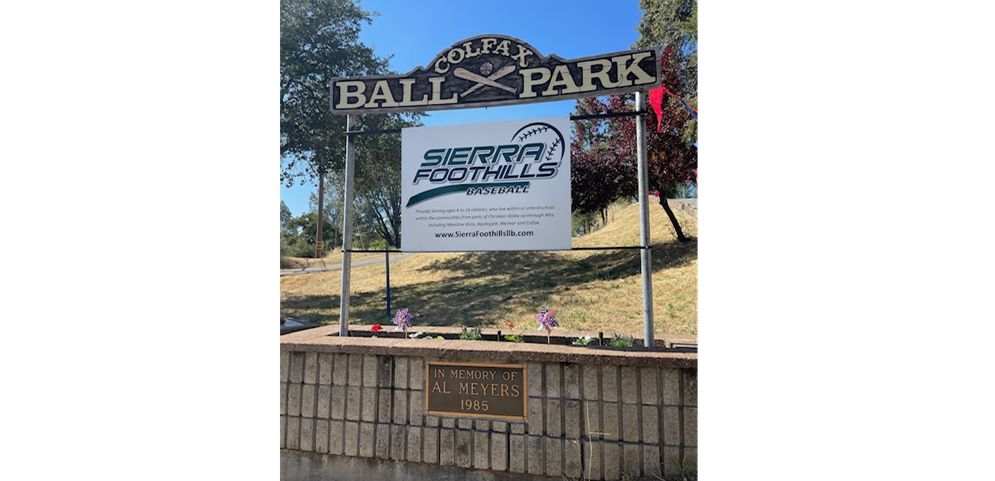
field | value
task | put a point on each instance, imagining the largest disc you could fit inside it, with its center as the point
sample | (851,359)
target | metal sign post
(346,231)
(644,224)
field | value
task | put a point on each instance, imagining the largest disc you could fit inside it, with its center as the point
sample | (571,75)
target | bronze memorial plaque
(479,390)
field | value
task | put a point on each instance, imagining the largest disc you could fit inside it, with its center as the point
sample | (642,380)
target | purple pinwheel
(402,319)
(546,320)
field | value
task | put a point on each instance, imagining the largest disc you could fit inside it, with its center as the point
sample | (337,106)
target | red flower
(376,328)
(510,324)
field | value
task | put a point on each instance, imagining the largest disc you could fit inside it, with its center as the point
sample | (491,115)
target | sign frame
(525,386)
(479,72)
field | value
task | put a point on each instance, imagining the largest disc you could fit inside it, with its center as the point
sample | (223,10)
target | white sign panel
(497,186)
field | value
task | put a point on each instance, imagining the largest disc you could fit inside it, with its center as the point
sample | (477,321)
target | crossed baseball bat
(482,81)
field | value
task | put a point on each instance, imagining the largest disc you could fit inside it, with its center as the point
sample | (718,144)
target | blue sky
(415,31)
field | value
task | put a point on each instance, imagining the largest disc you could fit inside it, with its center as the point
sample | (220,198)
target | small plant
(684,470)
(513,337)
(547,321)
(619,340)
(583,341)
(471,335)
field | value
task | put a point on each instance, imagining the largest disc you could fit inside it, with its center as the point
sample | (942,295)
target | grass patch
(590,290)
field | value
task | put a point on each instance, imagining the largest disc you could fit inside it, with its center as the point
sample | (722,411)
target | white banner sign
(498,186)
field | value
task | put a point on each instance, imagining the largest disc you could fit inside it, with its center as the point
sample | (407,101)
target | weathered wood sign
(495,70)
(478,390)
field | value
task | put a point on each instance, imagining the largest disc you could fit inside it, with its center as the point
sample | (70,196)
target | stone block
(283,431)
(571,381)
(355,370)
(385,372)
(448,422)
(432,420)
(554,457)
(430,441)
(447,447)
(366,439)
(651,461)
(384,406)
(535,416)
(401,372)
(336,437)
(370,370)
(610,422)
(400,407)
(382,449)
(671,460)
(649,385)
(651,425)
(590,382)
(353,400)
(293,433)
(414,443)
(533,377)
(325,369)
(609,383)
(690,426)
(416,409)
(612,460)
(283,398)
(592,420)
(324,401)
(671,387)
(311,368)
(481,449)
(553,379)
(341,371)
(351,438)
(572,466)
(517,454)
(690,385)
(630,422)
(284,366)
(465,423)
(671,426)
(463,449)
(321,436)
(499,426)
(397,437)
(631,459)
(536,454)
(369,409)
(307,434)
(499,451)
(571,418)
(296,367)
(553,415)
(481,425)
(308,392)
(416,374)
(337,410)
(294,400)
(592,459)
(518,427)
(630,384)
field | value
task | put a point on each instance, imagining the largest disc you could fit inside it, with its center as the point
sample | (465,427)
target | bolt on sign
(495,70)
(476,390)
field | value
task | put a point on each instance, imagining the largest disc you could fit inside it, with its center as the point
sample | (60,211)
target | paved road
(338,267)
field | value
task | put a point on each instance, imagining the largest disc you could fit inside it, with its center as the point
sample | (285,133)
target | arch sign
(492,70)
(498,185)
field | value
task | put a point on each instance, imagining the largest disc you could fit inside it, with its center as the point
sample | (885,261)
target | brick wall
(602,421)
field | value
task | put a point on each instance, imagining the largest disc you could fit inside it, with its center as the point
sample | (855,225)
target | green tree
(319,40)
(285,215)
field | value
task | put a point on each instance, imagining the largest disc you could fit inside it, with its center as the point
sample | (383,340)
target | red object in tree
(656,101)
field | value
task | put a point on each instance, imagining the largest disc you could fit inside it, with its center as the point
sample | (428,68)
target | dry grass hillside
(590,290)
